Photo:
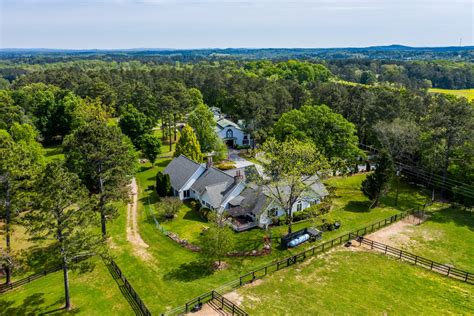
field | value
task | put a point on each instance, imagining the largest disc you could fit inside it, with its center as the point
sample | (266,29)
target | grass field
(446,237)
(94,293)
(356,283)
(467,93)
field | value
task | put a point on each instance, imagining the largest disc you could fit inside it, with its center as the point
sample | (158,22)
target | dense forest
(434,132)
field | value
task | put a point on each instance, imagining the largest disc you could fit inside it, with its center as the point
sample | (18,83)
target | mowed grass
(467,93)
(93,293)
(355,283)
(447,237)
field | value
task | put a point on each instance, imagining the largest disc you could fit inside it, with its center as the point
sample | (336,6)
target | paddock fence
(262,271)
(417,260)
(143,309)
(7,287)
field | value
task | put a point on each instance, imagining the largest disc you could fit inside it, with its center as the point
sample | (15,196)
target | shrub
(227,165)
(168,207)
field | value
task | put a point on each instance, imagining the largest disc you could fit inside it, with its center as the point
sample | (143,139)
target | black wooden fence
(417,260)
(283,263)
(142,307)
(7,287)
(213,296)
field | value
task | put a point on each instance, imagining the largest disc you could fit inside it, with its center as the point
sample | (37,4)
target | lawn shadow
(188,272)
(357,206)
(192,215)
(449,214)
(31,306)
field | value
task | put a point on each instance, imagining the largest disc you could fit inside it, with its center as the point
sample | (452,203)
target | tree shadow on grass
(33,305)
(460,218)
(357,206)
(188,272)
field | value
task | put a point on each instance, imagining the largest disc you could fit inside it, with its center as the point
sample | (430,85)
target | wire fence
(152,214)
(262,271)
(417,260)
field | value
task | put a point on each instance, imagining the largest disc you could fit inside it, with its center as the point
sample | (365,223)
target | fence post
(416,259)
(222,302)
(400,255)
(449,270)
(241,280)
(431,268)
(386,246)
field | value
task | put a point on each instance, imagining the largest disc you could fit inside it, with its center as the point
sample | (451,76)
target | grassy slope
(357,283)
(467,93)
(94,293)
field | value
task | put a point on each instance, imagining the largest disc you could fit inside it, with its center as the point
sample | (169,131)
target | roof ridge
(181,155)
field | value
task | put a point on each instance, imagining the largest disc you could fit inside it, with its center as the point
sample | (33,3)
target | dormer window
(229,133)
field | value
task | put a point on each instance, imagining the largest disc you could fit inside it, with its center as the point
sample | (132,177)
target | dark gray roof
(216,183)
(251,201)
(249,173)
(180,169)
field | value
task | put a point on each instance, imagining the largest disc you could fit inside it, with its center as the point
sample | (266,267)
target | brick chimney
(238,176)
(209,162)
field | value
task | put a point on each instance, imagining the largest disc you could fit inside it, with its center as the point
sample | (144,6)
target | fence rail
(7,287)
(286,262)
(417,260)
(143,308)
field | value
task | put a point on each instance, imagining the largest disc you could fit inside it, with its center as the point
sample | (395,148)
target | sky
(119,24)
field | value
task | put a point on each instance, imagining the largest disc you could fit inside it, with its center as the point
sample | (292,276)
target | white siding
(237,133)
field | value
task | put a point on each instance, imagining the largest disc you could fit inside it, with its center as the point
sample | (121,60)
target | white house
(249,205)
(231,133)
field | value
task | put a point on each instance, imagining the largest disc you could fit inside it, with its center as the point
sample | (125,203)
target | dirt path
(133,236)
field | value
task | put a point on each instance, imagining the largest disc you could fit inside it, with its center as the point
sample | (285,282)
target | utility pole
(398,185)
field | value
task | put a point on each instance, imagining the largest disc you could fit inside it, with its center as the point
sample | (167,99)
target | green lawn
(53,153)
(355,283)
(94,293)
(467,93)
(446,237)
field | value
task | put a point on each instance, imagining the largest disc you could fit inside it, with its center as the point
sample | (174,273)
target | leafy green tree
(9,111)
(163,184)
(188,145)
(203,123)
(105,161)
(291,168)
(150,145)
(377,183)
(22,160)
(368,77)
(64,215)
(216,242)
(50,108)
(89,110)
(135,124)
(330,132)
(448,129)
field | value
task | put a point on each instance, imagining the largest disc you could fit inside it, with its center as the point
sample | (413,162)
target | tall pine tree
(105,161)
(64,214)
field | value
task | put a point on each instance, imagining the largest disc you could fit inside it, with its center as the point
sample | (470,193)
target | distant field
(357,283)
(467,93)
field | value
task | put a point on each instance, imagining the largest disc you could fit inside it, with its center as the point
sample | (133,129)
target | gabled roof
(223,123)
(180,170)
(216,183)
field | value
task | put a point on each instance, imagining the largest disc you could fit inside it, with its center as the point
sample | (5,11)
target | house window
(186,194)
(229,133)
(299,206)
(245,141)
(273,212)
